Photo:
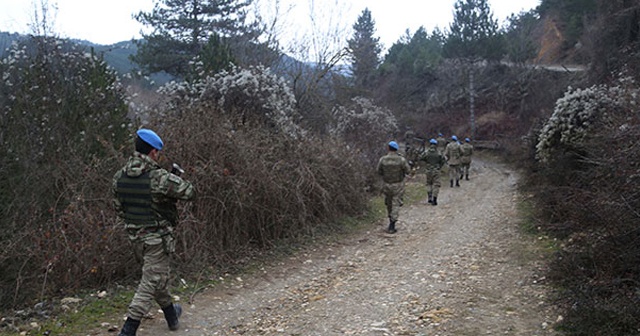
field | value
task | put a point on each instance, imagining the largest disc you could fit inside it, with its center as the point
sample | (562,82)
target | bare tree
(43,18)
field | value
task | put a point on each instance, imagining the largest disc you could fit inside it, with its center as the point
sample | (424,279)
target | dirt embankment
(459,268)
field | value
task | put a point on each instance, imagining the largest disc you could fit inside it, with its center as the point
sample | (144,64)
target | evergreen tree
(519,41)
(409,66)
(184,30)
(364,50)
(473,36)
(474,33)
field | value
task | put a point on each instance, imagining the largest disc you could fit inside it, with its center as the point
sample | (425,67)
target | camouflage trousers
(454,172)
(393,194)
(433,182)
(464,168)
(154,285)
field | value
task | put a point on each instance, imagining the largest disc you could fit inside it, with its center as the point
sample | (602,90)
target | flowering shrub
(364,126)
(362,118)
(63,118)
(248,97)
(60,98)
(578,112)
(590,201)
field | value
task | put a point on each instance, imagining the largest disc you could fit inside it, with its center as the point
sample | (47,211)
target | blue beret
(467,139)
(454,138)
(393,145)
(439,134)
(150,137)
(433,141)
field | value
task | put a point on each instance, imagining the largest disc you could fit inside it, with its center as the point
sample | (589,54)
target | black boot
(130,327)
(451,183)
(461,176)
(457,184)
(171,314)
(430,199)
(435,201)
(392,227)
(466,177)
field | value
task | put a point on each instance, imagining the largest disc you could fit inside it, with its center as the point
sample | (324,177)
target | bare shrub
(259,180)
(587,191)
(364,126)
(63,118)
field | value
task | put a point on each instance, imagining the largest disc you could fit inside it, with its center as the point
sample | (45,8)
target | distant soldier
(442,143)
(465,161)
(408,138)
(453,154)
(393,168)
(433,162)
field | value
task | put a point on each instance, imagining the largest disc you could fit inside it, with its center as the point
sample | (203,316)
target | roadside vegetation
(283,151)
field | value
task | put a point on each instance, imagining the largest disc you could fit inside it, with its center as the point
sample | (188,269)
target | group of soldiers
(393,167)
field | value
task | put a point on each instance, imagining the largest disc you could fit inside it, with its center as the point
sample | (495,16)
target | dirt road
(459,268)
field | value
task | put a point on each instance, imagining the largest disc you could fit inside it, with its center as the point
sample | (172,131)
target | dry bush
(260,178)
(587,192)
(365,126)
(255,187)
(63,115)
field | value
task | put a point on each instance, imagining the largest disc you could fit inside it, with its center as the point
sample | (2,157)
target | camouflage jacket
(453,153)
(442,143)
(393,168)
(165,189)
(467,150)
(433,160)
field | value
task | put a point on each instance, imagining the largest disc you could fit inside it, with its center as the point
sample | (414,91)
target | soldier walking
(442,143)
(453,154)
(433,162)
(408,139)
(145,197)
(465,161)
(393,168)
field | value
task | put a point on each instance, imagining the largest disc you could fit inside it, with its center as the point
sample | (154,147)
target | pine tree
(473,36)
(474,33)
(409,66)
(364,50)
(185,30)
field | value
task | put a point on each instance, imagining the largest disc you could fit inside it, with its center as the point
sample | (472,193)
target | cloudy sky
(107,22)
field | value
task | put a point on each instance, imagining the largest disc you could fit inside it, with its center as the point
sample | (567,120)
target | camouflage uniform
(442,144)
(433,162)
(393,168)
(453,153)
(145,197)
(465,160)
(408,139)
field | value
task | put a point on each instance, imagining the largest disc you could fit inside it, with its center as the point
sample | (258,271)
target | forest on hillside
(282,151)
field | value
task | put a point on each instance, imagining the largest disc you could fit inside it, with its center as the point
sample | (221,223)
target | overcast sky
(107,22)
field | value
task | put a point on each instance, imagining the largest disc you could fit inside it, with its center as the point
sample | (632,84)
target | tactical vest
(393,169)
(432,159)
(466,150)
(139,209)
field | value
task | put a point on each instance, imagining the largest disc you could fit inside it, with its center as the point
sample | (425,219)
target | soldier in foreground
(393,168)
(465,161)
(453,154)
(433,162)
(145,198)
